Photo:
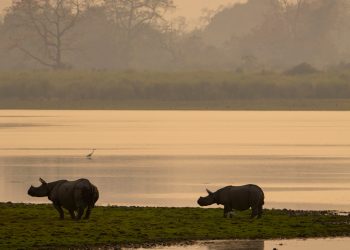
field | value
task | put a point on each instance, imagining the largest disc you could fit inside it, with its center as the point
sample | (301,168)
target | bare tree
(46,22)
(171,38)
(292,12)
(131,17)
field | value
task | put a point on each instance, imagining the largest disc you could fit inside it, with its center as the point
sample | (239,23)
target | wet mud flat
(29,226)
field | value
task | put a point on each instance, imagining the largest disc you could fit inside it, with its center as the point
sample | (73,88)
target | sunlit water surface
(168,158)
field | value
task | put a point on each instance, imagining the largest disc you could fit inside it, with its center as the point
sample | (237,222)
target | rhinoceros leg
(255,211)
(60,211)
(227,211)
(72,214)
(231,214)
(80,213)
(260,211)
(87,213)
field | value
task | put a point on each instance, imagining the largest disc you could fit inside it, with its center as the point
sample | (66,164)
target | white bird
(90,155)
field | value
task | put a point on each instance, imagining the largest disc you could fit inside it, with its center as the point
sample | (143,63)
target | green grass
(25,226)
(201,90)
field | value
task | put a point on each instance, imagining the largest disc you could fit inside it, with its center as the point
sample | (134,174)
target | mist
(253,36)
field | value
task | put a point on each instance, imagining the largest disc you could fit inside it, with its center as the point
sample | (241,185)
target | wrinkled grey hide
(75,196)
(236,197)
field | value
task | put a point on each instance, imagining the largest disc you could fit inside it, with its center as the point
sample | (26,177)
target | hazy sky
(191,9)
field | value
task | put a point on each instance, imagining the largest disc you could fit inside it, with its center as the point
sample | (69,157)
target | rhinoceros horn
(42,181)
(209,192)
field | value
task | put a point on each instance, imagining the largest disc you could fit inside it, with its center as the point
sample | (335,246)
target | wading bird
(90,155)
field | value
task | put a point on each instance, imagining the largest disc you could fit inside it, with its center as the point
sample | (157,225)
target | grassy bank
(37,226)
(174,90)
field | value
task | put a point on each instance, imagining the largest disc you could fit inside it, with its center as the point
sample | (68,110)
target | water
(319,244)
(168,158)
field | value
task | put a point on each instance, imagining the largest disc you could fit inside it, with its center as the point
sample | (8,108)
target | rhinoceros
(236,197)
(75,196)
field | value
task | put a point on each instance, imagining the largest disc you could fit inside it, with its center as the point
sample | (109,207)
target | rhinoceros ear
(209,192)
(42,181)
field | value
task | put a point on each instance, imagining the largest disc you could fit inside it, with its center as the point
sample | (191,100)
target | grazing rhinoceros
(236,197)
(71,195)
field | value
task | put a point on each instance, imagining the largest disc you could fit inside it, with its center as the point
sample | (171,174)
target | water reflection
(239,245)
(309,244)
(21,125)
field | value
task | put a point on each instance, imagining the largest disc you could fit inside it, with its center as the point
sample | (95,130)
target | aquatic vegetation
(26,226)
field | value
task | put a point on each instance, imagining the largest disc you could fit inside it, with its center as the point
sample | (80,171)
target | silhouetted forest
(122,35)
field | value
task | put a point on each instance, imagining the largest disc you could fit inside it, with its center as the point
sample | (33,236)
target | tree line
(60,34)
(172,86)
(137,34)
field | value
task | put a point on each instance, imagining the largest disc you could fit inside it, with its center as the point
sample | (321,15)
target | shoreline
(157,105)
(245,244)
(204,242)
(33,226)
(340,212)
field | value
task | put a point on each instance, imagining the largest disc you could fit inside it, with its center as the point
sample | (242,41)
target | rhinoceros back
(242,197)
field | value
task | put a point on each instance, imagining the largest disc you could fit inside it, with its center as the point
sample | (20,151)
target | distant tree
(208,15)
(131,18)
(41,28)
(301,69)
(172,37)
(292,13)
(94,41)
(293,32)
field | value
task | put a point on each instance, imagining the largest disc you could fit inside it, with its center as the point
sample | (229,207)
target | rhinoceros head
(208,200)
(40,191)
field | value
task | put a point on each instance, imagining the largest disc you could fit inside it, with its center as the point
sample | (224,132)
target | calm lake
(168,158)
